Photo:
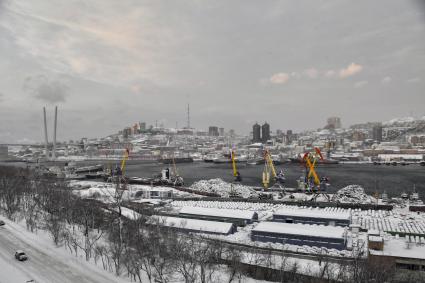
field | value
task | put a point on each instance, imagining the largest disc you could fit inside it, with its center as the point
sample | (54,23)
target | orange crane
(311,158)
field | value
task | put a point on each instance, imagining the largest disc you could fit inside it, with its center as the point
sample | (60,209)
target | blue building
(313,216)
(300,234)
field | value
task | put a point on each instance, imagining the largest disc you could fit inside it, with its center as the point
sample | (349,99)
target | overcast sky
(108,64)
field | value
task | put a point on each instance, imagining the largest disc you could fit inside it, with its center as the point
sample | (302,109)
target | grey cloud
(43,89)
(140,59)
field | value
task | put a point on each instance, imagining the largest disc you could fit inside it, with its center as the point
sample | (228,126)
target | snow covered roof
(219,212)
(399,121)
(314,213)
(194,224)
(399,248)
(376,238)
(301,229)
(128,213)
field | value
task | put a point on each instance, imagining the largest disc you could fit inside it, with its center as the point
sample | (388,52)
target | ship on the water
(89,169)
(165,178)
(225,159)
(86,172)
(175,157)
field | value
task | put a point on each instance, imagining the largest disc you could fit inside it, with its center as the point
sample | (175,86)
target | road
(46,263)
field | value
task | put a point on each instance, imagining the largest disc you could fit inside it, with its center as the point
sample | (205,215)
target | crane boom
(270,163)
(312,171)
(268,168)
(124,160)
(235,170)
(266,176)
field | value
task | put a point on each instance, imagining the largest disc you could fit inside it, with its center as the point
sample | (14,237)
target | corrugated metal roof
(193,224)
(314,213)
(219,212)
(301,229)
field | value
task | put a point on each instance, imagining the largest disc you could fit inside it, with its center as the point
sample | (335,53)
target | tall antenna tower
(188,116)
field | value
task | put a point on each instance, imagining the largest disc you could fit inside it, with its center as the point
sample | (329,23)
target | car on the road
(20,255)
(2,223)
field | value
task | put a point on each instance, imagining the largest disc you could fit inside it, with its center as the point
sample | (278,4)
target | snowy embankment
(222,188)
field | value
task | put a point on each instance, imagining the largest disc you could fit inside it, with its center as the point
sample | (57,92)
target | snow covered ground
(46,262)
(218,186)
(353,194)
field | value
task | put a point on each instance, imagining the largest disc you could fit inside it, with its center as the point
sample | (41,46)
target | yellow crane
(236,173)
(124,160)
(268,168)
(232,156)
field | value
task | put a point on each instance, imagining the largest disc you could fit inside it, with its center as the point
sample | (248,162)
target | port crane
(124,161)
(236,174)
(312,181)
(269,169)
(118,174)
(177,179)
(311,158)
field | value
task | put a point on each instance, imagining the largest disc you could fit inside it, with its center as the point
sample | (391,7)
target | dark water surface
(374,178)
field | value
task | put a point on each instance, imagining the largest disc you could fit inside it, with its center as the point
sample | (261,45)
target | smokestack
(45,133)
(54,133)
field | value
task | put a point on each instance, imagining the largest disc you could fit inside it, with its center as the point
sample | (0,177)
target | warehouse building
(300,234)
(313,216)
(403,253)
(194,225)
(238,217)
(152,193)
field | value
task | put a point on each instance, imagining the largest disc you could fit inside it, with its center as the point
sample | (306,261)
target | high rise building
(142,126)
(135,129)
(256,133)
(279,133)
(358,136)
(213,131)
(221,131)
(265,132)
(377,133)
(289,136)
(126,132)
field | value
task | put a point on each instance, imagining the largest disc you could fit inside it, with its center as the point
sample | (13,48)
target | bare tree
(13,182)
